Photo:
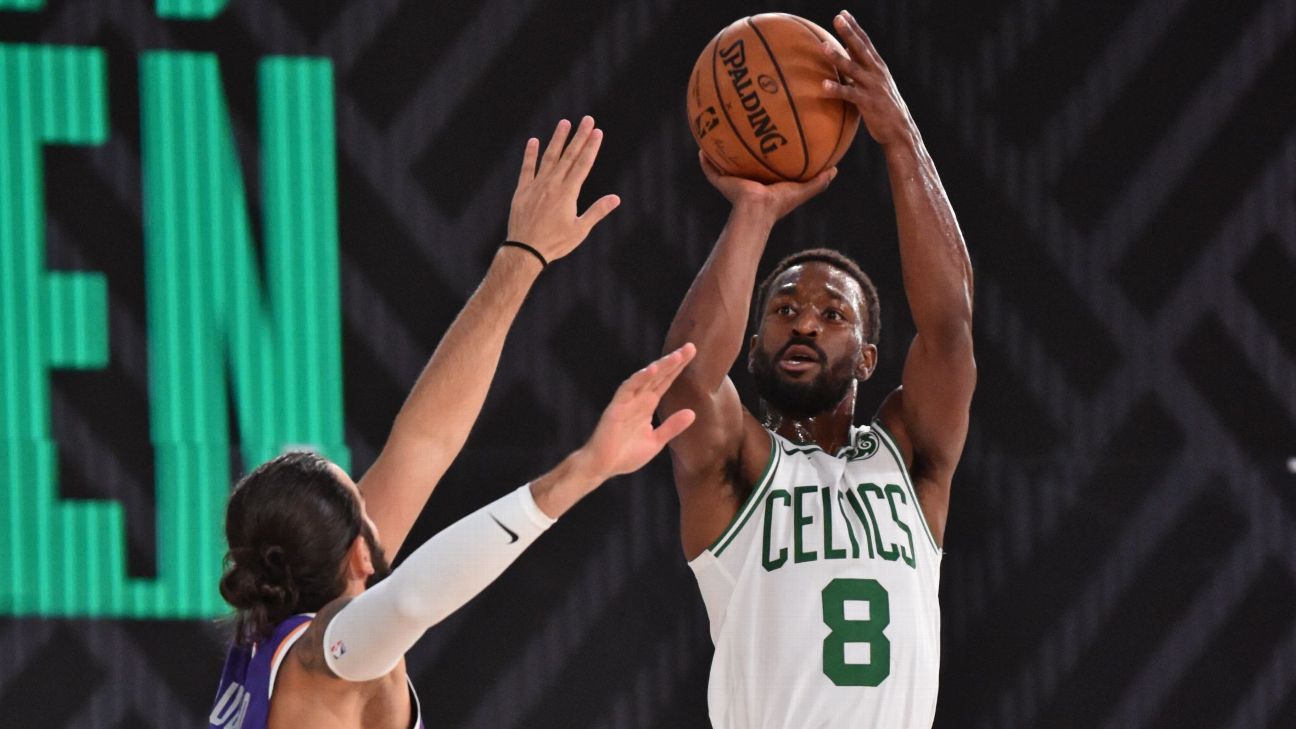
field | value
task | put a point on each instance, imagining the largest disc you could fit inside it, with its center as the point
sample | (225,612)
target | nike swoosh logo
(510,532)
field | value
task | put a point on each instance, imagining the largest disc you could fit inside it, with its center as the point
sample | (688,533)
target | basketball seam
(715,80)
(805,151)
(841,125)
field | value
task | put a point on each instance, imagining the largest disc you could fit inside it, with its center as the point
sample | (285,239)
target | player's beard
(795,399)
(376,556)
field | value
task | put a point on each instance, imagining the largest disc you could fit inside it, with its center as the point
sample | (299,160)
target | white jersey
(822,595)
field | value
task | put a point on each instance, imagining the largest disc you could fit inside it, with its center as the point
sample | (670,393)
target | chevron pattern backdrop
(1122,539)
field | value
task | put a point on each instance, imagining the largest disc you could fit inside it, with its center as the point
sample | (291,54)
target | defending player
(816,543)
(303,538)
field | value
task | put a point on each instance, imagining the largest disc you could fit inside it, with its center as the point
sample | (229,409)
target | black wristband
(519,244)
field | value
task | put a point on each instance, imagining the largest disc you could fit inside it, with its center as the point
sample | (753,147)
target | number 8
(846,631)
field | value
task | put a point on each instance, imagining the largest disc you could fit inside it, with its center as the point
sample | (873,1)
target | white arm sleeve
(367,638)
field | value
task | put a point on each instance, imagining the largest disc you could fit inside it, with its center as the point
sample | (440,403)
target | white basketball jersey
(822,595)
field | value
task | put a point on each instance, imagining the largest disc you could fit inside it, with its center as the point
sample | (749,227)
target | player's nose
(806,323)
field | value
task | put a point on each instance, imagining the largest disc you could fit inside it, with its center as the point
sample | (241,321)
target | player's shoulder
(889,423)
(308,652)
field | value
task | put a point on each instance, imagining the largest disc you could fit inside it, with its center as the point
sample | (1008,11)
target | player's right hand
(543,214)
(771,201)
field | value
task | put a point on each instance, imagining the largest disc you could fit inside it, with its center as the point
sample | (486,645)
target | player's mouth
(799,358)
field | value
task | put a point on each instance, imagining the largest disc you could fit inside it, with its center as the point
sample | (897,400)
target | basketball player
(816,543)
(320,635)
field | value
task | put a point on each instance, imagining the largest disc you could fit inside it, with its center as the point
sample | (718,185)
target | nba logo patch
(337,650)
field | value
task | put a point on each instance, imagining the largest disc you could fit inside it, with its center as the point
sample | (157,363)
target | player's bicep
(716,434)
(938,381)
(714,461)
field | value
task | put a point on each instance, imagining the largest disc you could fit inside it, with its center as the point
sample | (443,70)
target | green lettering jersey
(822,595)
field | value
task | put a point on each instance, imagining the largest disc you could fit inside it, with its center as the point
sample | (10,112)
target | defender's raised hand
(870,86)
(624,439)
(543,214)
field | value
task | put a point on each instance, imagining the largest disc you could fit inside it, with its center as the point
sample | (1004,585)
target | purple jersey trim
(243,697)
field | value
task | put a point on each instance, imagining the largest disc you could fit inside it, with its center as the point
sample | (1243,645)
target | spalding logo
(735,57)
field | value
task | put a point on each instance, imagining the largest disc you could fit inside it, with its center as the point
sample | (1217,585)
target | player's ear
(751,351)
(867,362)
(359,560)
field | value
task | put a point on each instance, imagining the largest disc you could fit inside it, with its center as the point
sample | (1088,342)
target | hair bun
(239,586)
(274,561)
(258,577)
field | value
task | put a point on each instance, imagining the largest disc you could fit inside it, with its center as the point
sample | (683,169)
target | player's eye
(784,310)
(834,315)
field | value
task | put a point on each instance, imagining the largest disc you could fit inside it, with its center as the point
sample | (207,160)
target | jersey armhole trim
(415,704)
(889,441)
(281,653)
(749,506)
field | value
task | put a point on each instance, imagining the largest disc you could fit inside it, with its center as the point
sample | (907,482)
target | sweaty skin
(718,461)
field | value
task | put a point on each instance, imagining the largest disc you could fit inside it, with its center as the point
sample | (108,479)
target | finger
(677,423)
(599,210)
(815,186)
(709,168)
(578,142)
(634,384)
(849,93)
(866,44)
(581,167)
(672,365)
(861,33)
(529,162)
(668,368)
(554,150)
(850,38)
(845,66)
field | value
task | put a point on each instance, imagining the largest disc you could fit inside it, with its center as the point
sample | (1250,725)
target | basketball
(756,104)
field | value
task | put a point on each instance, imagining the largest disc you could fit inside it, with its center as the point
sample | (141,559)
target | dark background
(1121,550)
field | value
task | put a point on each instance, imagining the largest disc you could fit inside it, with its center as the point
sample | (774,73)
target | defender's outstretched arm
(364,638)
(435,420)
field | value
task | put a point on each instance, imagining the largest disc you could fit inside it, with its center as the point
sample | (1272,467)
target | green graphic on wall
(219,319)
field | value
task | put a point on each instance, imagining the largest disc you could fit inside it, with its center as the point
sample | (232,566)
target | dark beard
(801,399)
(376,555)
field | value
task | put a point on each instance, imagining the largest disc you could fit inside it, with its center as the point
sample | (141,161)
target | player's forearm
(449,394)
(714,312)
(933,256)
(569,482)
(436,418)
(367,638)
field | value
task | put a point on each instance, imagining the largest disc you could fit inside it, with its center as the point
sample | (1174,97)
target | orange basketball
(756,102)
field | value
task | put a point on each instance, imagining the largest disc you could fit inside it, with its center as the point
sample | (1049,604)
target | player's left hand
(543,213)
(624,439)
(870,86)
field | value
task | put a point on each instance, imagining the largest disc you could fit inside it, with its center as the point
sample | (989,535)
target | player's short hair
(872,314)
(289,525)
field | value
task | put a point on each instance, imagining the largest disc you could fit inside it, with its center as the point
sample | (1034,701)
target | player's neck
(830,430)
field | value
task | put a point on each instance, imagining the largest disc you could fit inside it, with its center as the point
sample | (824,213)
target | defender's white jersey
(822,595)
